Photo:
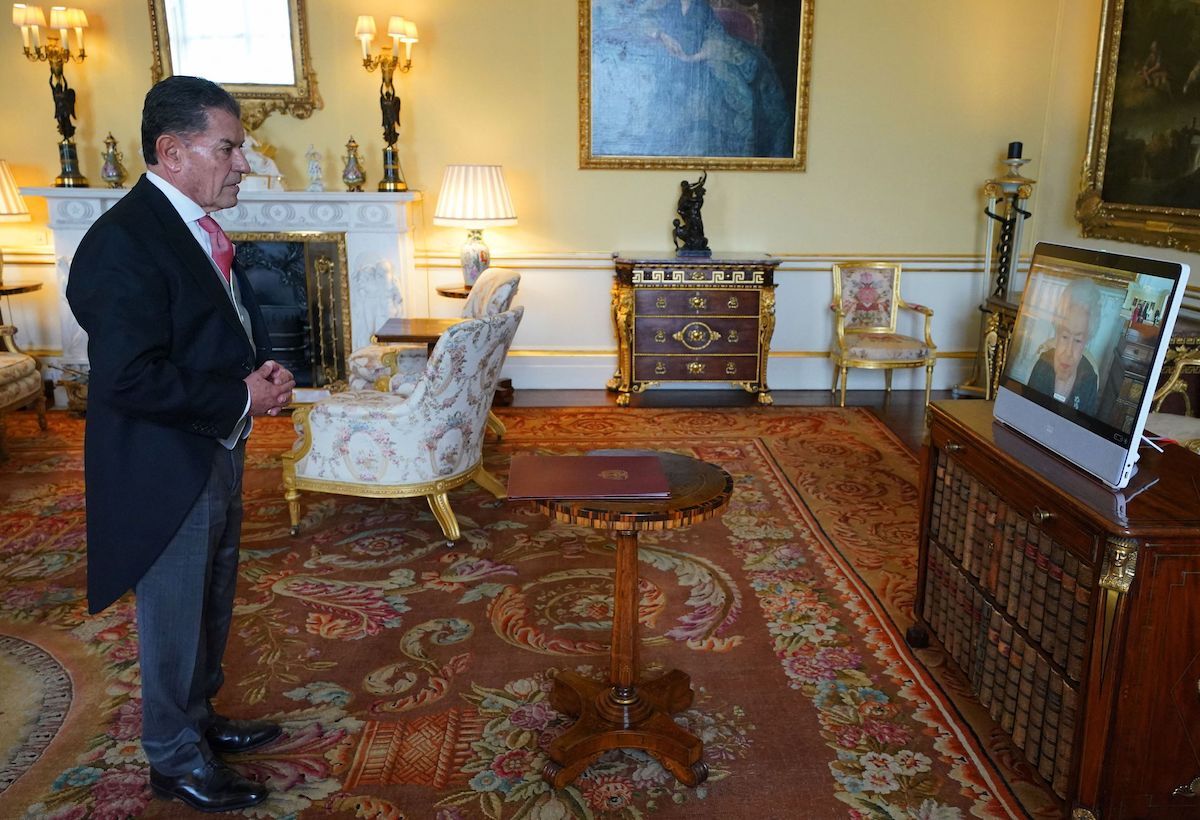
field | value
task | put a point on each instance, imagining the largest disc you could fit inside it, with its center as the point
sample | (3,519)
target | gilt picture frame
(1140,183)
(686,84)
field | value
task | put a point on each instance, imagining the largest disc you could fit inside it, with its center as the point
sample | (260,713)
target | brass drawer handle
(730,368)
(660,336)
(659,368)
(732,303)
(695,368)
(1041,516)
(951,447)
(733,336)
(661,303)
(698,303)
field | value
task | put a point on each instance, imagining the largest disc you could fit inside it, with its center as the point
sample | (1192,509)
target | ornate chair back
(866,292)
(492,293)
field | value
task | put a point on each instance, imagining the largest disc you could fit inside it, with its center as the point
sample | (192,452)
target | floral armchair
(386,445)
(396,367)
(866,298)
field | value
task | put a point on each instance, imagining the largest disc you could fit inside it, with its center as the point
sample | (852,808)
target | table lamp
(12,206)
(474,197)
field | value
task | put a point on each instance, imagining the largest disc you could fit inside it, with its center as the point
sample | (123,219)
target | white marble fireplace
(377,229)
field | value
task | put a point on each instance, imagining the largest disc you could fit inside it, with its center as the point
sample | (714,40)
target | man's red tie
(222,248)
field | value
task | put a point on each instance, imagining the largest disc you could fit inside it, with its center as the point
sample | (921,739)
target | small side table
(418,331)
(460,292)
(621,714)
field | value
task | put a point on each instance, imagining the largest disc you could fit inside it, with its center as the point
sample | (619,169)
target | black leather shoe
(212,787)
(226,735)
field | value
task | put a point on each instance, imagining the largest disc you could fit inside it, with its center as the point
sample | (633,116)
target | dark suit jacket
(168,357)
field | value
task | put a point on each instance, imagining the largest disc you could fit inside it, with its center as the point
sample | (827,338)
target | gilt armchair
(866,299)
(381,444)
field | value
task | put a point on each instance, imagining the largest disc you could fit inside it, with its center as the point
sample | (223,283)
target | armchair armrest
(7,342)
(927,312)
(839,325)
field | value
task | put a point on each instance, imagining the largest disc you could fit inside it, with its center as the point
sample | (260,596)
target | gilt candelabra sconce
(388,61)
(51,44)
(1006,199)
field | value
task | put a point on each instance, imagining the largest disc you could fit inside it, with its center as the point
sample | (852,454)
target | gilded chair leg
(440,504)
(495,425)
(843,380)
(292,496)
(489,482)
(928,382)
(887,381)
(835,379)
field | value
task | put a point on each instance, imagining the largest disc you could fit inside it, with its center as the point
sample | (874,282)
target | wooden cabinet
(692,319)
(1073,611)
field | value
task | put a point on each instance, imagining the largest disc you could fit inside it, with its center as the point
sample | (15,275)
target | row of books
(1032,579)
(1016,682)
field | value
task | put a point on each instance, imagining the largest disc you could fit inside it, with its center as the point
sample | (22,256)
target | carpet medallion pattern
(412,679)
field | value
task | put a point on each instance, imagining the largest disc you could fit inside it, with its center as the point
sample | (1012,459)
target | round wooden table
(623,714)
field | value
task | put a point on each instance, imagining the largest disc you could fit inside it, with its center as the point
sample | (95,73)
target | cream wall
(911,107)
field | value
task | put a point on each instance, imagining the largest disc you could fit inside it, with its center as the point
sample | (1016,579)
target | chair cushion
(885,347)
(1183,429)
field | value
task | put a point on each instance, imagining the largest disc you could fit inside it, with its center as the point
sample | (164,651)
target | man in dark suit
(179,364)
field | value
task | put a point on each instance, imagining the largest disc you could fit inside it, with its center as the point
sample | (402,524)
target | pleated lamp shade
(474,196)
(12,206)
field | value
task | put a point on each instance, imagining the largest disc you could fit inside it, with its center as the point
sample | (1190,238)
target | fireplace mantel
(377,227)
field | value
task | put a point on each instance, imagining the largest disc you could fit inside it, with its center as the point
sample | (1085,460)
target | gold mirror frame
(1159,225)
(257,101)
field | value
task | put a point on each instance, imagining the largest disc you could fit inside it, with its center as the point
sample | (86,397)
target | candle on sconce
(19,18)
(396,28)
(58,20)
(364,30)
(410,37)
(78,21)
(35,18)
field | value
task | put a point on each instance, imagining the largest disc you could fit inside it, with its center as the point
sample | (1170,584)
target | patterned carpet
(412,679)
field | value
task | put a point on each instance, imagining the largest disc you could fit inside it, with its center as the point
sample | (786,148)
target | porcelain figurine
(316,173)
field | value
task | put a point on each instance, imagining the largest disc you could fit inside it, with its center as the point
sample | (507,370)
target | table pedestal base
(638,718)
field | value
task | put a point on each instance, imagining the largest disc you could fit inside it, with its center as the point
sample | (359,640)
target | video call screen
(1085,341)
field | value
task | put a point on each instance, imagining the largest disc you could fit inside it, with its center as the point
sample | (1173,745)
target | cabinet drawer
(695,302)
(1028,499)
(653,334)
(695,368)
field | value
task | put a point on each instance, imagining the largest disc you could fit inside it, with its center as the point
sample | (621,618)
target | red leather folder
(594,477)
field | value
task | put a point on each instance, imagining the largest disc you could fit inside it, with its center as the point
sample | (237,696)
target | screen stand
(1151,443)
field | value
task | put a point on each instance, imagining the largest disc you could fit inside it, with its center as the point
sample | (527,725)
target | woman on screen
(1062,371)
